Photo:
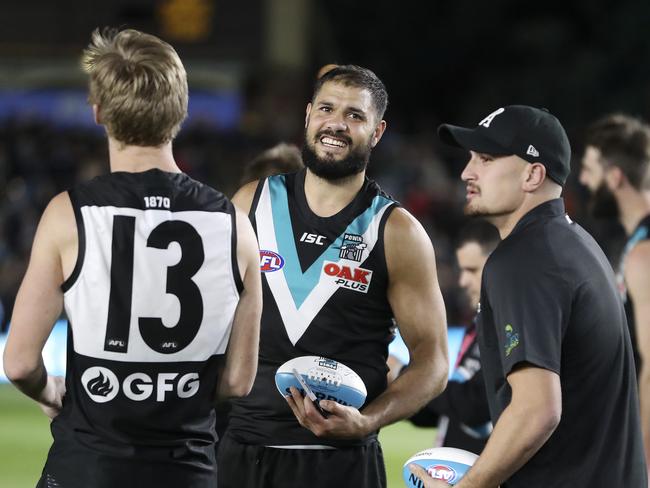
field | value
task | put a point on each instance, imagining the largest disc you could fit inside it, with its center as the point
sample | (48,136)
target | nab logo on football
(270,261)
(442,472)
(350,277)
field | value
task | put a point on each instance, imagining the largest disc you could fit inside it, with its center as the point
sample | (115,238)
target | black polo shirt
(549,298)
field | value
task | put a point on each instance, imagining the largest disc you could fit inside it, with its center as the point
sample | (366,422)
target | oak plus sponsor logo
(348,277)
(102,385)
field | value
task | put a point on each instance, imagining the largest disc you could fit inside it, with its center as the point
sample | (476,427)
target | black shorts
(253,466)
(102,471)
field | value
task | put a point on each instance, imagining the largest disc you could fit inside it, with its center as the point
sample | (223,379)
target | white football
(328,379)
(446,464)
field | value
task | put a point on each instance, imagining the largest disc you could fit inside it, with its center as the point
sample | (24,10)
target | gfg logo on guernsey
(442,472)
(349,277)
(270,261)
(102,385)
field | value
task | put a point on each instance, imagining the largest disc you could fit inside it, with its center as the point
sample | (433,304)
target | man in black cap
(555,348)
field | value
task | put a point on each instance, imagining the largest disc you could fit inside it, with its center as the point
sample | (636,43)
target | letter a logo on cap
(488,120)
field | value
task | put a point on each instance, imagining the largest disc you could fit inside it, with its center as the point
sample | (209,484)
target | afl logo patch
(442,472)
(100,383)
(270,261)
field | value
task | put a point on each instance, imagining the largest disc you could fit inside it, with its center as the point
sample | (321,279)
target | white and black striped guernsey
(325,284)
(150,305)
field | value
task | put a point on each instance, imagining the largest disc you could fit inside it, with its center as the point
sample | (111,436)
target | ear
(534,177)
(307,112)
(96,114)
(614,177)
(379,131)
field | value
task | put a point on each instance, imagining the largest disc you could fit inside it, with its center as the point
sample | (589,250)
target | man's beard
(603,204)
(481,212)
(330,168)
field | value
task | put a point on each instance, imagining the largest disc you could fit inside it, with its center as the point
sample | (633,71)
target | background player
(159,278)
(461,412)
(555,347)
(281,158)
(614,167)
(307,312)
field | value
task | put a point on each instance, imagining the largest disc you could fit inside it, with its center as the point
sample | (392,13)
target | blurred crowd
(38,159)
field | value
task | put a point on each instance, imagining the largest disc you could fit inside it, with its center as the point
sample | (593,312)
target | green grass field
(25,438)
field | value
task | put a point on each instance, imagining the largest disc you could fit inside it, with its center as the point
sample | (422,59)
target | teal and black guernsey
(325,283)
(641,233)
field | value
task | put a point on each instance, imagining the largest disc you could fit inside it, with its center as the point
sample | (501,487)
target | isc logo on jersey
(102,385)
(346,276)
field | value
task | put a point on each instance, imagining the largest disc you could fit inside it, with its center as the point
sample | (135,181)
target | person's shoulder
(58,220)
(373,188)
(552,250)
(189,193)
(405,238)
(59,205)
(518,254)
(638,259)
(187,181)
(541,239)
(243,198)
(639,255)
(401,223)
(91,184)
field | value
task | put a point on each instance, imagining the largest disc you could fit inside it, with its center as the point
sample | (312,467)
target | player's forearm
(241,367)
(424,379)
(642,318)
(29,377)
(520,432)
(241,360)
(644,397)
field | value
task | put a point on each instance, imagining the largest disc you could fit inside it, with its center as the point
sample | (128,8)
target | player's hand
(51,400)
(342,422)
(427,481)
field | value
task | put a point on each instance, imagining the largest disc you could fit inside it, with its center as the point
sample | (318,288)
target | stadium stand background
(251,65)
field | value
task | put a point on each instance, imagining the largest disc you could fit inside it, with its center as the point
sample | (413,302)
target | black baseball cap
(533,134)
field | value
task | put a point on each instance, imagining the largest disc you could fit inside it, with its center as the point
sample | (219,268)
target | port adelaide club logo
(344,273)
(352,248)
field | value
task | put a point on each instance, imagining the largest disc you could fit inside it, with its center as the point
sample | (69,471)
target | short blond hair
(139,84)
